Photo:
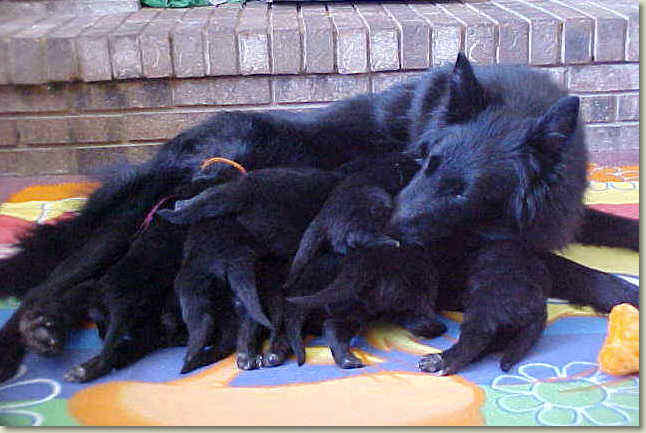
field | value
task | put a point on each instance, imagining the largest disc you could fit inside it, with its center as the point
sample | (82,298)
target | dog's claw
(247,362)
(273,359)
(350,361)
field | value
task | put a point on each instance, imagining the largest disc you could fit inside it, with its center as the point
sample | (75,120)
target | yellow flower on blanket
(41,211)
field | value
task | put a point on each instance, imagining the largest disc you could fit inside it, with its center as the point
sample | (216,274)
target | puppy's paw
(248,362)
(42,333)
(348,361)
(433,363)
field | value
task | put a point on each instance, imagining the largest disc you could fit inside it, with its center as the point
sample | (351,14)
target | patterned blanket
(559,383)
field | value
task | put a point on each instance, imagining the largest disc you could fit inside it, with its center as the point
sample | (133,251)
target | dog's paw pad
(350,361)
(76,374)
(432,363)
(41,334)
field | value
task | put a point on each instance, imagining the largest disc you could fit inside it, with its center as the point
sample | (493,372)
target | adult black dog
(54,259)
(501,186)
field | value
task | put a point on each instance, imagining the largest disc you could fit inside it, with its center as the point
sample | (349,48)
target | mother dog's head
(495,164)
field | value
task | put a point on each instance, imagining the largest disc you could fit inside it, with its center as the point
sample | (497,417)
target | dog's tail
(311,241)
(330,295)
(242,281)
(585,286)
(604,229)
(216,201)
(128,191)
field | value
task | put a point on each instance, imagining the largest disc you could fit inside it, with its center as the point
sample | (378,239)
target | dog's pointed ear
(466,95)
(552,131)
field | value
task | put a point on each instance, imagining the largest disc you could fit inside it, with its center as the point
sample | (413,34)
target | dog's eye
(433,163)
(422,149)
(453,187)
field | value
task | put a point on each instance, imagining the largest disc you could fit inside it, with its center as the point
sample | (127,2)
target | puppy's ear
(466,95)
(551,132)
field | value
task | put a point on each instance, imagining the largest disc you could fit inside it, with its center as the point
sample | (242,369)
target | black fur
(375,276)
(357,210)
(365,125)
(132,296)
(502,183)
(268,210)
(373,283)
(608,230)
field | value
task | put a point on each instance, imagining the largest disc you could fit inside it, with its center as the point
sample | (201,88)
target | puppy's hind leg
(193,288)
(295,317)
(126,341)
(12,349)
(278,349)
(338,332)
(248,356)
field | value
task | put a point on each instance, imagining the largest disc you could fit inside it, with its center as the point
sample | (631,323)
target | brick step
(79,91)
(123,119)
(21,8)
(313,38)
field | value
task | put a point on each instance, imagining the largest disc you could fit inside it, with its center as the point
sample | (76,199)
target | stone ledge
(262,39)
(20,8)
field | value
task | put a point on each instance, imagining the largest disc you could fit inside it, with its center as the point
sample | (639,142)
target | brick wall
(78,92)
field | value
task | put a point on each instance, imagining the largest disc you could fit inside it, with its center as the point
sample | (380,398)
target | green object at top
(176,3)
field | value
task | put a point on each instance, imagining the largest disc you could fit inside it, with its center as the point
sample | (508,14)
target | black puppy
(234,225)
(373,283)
(270,209)
(131,299)
(352,222)
(501,186)
(356,212)
(223,259)
(364,125)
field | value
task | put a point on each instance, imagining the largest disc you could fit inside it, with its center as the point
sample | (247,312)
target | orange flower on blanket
(52,192)
(619,354)
(380,399)
(599,173)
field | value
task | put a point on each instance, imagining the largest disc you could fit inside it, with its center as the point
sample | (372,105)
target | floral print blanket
(557,384)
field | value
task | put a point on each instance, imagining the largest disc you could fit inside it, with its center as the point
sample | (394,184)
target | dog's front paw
(41,333)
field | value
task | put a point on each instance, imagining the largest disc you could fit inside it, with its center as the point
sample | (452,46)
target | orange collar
(234,164)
